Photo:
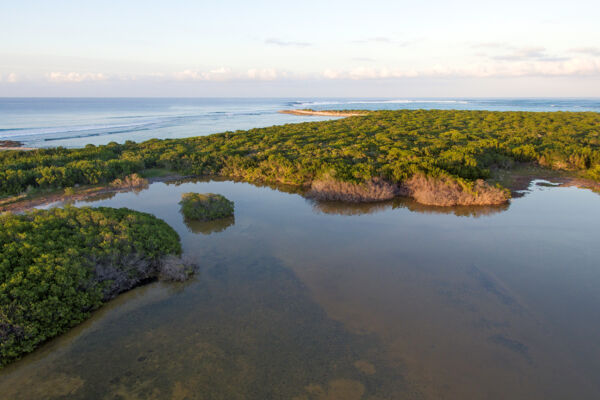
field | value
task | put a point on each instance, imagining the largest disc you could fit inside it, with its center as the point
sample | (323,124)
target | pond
(302,300)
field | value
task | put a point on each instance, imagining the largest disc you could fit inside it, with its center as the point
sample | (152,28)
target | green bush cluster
(205,207)
(58,265)
(390,144)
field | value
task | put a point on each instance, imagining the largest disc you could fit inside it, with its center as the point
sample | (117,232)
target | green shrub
(58,265)
(393,145)
(205,207)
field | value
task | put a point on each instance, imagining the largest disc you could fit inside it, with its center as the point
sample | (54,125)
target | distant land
(437,157)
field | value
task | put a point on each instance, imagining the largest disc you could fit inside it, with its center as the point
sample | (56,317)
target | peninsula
(437,157)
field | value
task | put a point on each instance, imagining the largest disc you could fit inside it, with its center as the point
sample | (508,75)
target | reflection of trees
(101,196)
(275,186)
(208,227)
(345,208)
(459,211)
(341,208)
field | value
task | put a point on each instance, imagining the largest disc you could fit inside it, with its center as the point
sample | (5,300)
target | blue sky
(309,48)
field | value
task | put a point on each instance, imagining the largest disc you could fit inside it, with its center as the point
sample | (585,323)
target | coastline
(13,145)
(326,113)
(349,160)
(517,181)
(23,202)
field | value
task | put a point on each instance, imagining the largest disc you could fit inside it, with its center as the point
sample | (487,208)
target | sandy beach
(328,113)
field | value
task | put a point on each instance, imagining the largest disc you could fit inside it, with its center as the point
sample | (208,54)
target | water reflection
(459,211)
(208,227)
(106,195)
(291,189)
(293,302)
(341,208)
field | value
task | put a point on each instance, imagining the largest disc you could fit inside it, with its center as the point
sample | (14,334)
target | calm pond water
(298,300)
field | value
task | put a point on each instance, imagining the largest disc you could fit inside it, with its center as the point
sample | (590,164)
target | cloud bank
(514,63)
(9,78)
(75,77)
(545,68)
(285,43)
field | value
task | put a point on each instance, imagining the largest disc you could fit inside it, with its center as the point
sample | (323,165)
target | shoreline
(13,145)
(22,203)
(326,113)
(516,181)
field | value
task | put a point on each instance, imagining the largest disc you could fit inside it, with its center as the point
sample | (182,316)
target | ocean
(75,122)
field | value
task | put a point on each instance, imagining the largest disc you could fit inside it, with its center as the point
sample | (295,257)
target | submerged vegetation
(58,265)
(441,157)
(205,207)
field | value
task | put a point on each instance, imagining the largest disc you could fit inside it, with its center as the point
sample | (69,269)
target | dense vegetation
(205,207)
(58,265)
(457,146)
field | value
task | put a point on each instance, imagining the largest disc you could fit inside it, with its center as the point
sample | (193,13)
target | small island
(205,207)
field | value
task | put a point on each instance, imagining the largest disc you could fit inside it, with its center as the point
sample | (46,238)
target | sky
(374,48)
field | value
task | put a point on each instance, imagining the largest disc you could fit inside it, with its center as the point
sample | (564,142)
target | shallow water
(301,300)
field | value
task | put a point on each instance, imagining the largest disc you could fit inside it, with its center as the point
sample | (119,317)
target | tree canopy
(392,145)
(57,265)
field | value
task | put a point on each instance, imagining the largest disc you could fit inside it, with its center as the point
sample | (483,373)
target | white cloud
(487,68)
(265,74)
(218,74)
(75,77)
(492,45)
(332,74)
(286,43)
(383,40)
(226,74)
(10,78)
(592,51)
(528,53)
(571,67)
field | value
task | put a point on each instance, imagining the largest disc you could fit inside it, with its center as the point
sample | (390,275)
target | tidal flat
(301,299)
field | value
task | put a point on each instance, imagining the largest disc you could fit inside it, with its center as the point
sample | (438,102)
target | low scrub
(205,207)
(58,265)
(130,182)
(441,190)
(330,189)
(447,191)
(464,145)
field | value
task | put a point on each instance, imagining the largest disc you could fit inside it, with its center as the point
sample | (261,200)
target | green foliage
(205,207)
(594,173)
(49,275)
(390,144)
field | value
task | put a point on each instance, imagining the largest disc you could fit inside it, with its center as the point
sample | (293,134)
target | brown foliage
(330,189)
(438,191)
(446,191)
(130,182)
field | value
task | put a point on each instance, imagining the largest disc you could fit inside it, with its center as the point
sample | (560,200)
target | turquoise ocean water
(75,122)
